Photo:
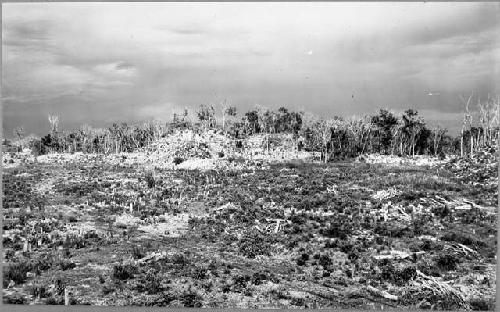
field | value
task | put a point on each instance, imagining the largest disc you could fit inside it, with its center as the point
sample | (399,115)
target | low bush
(191,299)
(137,252)
(178,160)
(463,238)
(482,304)
(255,243)
(339,228)
(150,180)
(124,272)
(15,298)
(447,261)
(16,272)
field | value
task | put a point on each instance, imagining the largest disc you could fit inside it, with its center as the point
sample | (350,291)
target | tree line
(385,133)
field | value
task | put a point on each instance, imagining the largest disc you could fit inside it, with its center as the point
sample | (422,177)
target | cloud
(21,33)
(118,71)
(480,17)
(96,66)
(186,29)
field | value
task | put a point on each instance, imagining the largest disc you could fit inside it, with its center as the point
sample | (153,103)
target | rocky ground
(190,224)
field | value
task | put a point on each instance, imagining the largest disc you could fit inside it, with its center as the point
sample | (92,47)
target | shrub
(54,301)
(240,282)
(199,273)
(298,302)
(60,285)
(253,244)
(448,261)
(303,259)
(325,261)
(180,259)
(398,276)
(15,298)
(340,228)
(66,265)
(124,272)
(150,180)
(38,291)
(481,304)
(16,272)
(137,252)
(404,275)
(259,277)
(178,160)
(462,238)
(73,241)
(441,211)
(428,245)
(191,299)
(151,282)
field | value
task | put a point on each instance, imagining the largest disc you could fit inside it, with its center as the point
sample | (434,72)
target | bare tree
(54,123)
(466,124)
(19,132)
(438,136)
(488,118)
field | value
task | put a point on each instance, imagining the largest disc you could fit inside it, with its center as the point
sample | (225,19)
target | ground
(289,234)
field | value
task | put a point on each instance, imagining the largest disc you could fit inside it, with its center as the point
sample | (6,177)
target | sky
(99,63)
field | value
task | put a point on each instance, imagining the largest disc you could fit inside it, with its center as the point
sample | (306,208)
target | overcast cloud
(97,63)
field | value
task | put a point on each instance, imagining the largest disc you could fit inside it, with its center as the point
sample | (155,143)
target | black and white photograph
(250,155)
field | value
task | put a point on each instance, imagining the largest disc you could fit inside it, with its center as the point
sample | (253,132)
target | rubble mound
(394,160)
(481,168)
(14,159)
(189,144)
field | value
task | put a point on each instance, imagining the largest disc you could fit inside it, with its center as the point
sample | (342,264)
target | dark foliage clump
(137,252)
(339,228)
(448,261)
(190,299)
(15,299)
(398,276)
(301,261)
(255,243)
(481,304)
(151,282)
(441,211)
(462,238)
(150,180)
(180,260)
(178,160)
(16,272)
(325,261)
(124,272)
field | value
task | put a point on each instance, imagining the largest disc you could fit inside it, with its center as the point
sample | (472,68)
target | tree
(19,132)
(53,138)
(296,122)
(206,114)
(384,123)
(466,124)
(251,120)
(227,110)
(325,132)
(489,118)
(413,127)
(283,120)
(54,123)
(265,120)
(437,134)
